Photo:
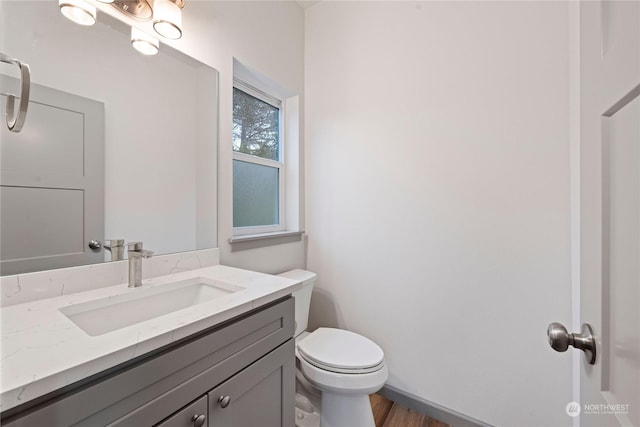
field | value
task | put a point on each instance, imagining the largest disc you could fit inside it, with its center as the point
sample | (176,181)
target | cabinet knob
(198,420)
(224,401)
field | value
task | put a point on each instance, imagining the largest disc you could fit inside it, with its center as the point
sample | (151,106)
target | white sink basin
(104,315)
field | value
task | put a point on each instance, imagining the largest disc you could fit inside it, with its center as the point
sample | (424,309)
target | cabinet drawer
(189,416)
(147,390)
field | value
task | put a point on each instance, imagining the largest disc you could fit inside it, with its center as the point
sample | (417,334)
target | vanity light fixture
(164,15)
(167,18)
(139,10)
(78,11)
(144,43)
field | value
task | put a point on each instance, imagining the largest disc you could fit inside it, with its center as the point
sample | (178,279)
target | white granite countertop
(42,350)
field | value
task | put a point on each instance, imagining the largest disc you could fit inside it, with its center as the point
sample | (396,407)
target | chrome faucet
(136,253)
(115,247)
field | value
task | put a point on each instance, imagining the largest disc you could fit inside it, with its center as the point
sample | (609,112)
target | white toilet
(336,369)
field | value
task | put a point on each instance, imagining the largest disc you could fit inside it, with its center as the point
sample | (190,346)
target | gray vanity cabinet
(251,398)
(239,374)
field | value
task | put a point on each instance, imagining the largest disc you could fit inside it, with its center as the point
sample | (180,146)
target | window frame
(278,164)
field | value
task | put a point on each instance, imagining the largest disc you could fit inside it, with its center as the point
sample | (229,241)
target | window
(258,164)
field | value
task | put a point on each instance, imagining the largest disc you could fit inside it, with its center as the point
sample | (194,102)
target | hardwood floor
(389,414)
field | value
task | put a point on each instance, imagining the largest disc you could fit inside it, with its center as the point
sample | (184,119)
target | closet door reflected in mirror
(52,187)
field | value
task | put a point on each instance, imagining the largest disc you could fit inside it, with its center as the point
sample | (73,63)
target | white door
(52,183)
(610,210)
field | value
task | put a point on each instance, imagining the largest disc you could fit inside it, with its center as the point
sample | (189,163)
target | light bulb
(144,43)
(78,11)
(167,19)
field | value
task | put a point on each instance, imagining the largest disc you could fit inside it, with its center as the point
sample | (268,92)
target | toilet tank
(302,296)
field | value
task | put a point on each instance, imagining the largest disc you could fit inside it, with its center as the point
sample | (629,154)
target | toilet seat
(340,351)
(341,383)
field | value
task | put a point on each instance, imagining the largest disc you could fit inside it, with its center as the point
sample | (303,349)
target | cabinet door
(262,394)
(192,415)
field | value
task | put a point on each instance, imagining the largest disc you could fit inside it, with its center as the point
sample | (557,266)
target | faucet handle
(113,243)
(146,254)
(134,246)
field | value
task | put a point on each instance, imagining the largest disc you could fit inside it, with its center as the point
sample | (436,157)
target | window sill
(254,241)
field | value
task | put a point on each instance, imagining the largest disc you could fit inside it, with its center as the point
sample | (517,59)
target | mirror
(116,145)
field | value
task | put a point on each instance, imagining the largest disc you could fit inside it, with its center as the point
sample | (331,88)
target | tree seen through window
(256,126)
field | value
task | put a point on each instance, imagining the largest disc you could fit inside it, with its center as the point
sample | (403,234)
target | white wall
(267,36)
(438,214)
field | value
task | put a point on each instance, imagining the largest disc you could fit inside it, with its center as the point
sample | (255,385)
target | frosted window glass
(255,194)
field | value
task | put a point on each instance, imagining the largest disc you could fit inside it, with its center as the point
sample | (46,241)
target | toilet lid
(337,349)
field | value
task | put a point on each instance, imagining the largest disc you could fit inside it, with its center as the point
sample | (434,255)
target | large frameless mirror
(116,145)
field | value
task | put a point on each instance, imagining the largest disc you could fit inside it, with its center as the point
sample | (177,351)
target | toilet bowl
(340,367)
(308,397)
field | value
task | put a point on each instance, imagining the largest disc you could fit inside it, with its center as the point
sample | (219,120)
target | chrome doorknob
(560,340)
(95,244)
